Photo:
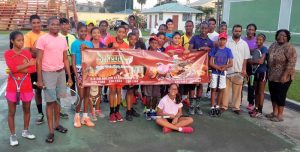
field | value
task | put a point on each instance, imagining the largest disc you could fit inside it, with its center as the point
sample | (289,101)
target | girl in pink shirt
(170,105)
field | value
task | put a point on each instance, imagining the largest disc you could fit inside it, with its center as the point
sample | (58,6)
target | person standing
(212,34)
(251,41)
(133,25)
(241,53)
(170,29)
(282,61)
(30,39)
(52,62)
(199,42)
(64,32)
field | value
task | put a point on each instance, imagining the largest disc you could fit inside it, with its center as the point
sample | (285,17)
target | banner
(132,67)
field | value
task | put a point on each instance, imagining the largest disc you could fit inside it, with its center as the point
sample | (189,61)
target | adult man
(52,62)
(64,32)
(212,34)
(186,37)
(30,39)
(241,53)
(199,42)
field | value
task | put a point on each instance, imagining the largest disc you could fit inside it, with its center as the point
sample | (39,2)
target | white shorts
(214,81)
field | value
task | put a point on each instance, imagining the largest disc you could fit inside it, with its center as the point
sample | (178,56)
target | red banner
(132,67)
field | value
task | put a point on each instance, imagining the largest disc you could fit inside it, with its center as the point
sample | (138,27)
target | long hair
(12,37)
(178,96)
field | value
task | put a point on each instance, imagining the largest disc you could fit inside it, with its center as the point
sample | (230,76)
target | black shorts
(128,87)
(261,77)
(278,92)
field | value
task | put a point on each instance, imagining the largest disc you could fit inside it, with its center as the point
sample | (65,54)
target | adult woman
(281,62)
(171,106)
(251,41)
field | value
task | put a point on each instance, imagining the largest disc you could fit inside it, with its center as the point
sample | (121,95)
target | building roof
(171,8)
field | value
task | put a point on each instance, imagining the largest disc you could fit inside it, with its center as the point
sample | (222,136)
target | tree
(117,5)
(142,2)
(208,11)
(165,2)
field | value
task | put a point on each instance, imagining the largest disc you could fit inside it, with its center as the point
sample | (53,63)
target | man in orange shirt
(30,39)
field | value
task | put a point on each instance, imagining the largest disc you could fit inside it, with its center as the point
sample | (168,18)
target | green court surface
(229,133)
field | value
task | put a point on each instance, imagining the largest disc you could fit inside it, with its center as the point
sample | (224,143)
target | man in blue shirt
(199,42)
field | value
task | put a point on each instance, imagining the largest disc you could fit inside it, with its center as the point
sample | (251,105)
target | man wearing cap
(90,24)
(241,53)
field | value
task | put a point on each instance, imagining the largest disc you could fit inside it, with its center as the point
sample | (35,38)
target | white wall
(166,16)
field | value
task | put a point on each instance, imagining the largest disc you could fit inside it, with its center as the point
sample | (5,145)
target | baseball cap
(223,35)
(90,21)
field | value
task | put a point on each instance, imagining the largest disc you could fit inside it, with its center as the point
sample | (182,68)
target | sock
(77,115)
(85,115)
(117,108)
(40,108)
(112,110)
(212,107)
(217,106)
(180,129)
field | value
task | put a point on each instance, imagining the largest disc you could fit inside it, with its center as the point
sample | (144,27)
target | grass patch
(293,92)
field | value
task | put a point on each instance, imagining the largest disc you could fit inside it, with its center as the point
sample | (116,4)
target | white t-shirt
(240,52)
(213,36)
(169,106)
(140,33)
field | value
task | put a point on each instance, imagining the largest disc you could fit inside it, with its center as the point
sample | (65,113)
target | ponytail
(12,37)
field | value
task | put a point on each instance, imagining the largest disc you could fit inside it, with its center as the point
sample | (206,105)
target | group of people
(54,59)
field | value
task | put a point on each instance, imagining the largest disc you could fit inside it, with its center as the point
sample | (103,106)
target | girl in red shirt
(175,48)
(19,67)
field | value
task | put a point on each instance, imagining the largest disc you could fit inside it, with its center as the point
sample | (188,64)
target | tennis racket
(18,77)
(220,59)
(94,97)
(255,56)
(68,98)
(159,117)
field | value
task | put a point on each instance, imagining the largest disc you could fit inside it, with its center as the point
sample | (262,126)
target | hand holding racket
(256,54)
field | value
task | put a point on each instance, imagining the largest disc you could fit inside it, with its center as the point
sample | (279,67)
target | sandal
(275,119)
(270,115)
(50,138)
(61,129)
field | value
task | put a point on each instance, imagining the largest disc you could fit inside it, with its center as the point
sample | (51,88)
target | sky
(149,3)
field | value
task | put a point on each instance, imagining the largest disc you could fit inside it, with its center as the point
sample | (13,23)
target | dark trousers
(251,93)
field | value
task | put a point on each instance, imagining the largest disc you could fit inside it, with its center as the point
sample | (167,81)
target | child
(97,43)
(152,92)
(30,39)
(260,77)
(130,89)
(89,24)
(115,90)
(161,41)
(170,106)
(175,48)
(220,61)
(76,64)
(19,67)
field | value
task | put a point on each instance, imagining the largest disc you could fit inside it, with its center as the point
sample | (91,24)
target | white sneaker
(27,134)
(13,140)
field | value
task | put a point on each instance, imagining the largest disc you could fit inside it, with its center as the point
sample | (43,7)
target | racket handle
(251,80)
(34,83)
